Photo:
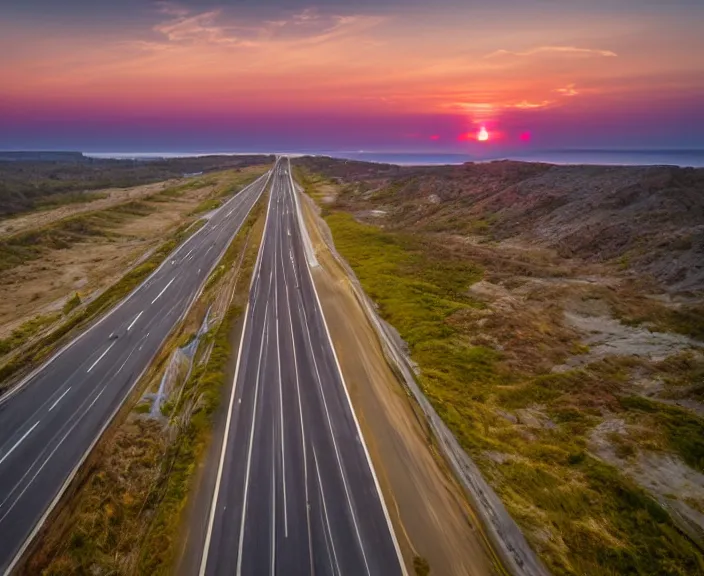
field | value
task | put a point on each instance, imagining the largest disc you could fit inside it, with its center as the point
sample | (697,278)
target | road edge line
(22,383)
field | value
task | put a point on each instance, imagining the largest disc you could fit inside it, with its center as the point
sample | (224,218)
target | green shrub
(71,304)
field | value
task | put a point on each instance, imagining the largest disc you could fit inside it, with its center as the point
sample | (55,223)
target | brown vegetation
(35,180)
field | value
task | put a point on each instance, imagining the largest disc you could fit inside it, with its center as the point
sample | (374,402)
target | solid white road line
(163,290)
(303,433)
(101,357)
(107,422)
(33,478)
(68,422)
(134,321)
(59,399)
(273,507)
(265,335)
(22,383)
(308,249)
(402,564)
(11,450)
(334,440)
(68,480)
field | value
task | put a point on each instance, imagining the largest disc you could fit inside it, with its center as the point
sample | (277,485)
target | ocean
(684,158)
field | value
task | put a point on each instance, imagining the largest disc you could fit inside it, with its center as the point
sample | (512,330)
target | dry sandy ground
(42,286)
(430,515)
(113,197)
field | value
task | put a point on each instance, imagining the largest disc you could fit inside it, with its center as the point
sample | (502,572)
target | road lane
(50,423)
(295,492)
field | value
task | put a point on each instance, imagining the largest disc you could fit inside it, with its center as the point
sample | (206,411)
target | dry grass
(436,528)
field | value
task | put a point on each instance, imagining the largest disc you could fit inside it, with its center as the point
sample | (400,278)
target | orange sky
(476,63)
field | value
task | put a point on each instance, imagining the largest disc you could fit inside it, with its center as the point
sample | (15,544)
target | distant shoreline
(620,157)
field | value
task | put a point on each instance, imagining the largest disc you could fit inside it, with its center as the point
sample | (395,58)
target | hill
(648,219)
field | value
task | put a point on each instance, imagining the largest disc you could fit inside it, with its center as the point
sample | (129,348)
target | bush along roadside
(127,517)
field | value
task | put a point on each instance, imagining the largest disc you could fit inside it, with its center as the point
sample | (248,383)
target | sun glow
(483,135)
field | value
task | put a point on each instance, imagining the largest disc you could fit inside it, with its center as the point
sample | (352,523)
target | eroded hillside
(650,218)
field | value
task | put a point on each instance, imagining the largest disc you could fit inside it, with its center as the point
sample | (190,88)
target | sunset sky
(134,75)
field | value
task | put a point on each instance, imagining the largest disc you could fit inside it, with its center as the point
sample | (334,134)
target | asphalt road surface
(50,422)
(295,492)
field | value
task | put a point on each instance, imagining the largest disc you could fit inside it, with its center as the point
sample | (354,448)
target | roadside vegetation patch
(99,255)
(19,249)
(29,182)
(26,331)
(485,326)
(191,410)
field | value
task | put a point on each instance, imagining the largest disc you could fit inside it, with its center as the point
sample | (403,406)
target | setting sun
(483,135)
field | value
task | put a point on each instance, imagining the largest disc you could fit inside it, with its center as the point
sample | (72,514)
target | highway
(295,492)
(51,421)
